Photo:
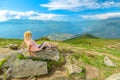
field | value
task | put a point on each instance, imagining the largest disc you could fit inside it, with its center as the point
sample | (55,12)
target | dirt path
(61,72)
(102,54)
(5,50)
(96,53)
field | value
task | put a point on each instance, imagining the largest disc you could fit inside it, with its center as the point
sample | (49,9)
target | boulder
(108,62)
(23,68)
(73,68)
(26,68)
(114,77)
(19,65)
(13,46)
(48,54)
(4,58)
(11,58)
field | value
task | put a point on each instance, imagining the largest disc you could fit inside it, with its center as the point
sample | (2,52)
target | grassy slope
(84,50)
(93,52)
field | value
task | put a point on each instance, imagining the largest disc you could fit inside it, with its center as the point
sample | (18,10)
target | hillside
(88,52)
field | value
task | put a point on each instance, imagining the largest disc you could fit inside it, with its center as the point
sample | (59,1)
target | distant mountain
(16,28)
(109,28)
(83,36)
(87,36)
(82,39)
(60,37)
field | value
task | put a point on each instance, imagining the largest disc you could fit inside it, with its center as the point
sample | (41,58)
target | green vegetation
(89,50)
(2,62)
(5,42)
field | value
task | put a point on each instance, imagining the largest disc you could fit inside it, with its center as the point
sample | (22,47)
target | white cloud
(77,5)
(102,16)
(7,14)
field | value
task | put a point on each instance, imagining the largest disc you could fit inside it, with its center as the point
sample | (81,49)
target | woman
(32,45)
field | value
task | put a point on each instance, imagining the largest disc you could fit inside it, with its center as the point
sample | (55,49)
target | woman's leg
(45,44)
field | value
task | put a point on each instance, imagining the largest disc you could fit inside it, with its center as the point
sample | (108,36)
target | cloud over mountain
(7,14)
(102,16)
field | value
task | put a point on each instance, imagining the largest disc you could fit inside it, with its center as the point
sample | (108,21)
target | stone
(91,72)
(74,69)
(108,62)
(22,51)
(48,54)
(114,77)
(4,58)
(26,68)
(11,58)
(13,46)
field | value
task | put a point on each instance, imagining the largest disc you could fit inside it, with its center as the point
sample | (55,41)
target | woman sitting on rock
(32,45)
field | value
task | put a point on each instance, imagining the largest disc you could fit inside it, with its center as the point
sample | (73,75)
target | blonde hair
(27,35)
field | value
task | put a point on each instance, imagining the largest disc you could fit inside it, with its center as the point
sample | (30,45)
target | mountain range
(108,28)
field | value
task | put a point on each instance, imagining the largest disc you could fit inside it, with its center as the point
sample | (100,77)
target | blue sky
(59,9)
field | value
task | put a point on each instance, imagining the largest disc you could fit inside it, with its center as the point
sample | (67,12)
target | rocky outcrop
(108,62)
(4,58)
(26,68)
(13,46)
(114,77)
(48,54)
(18,65)
(72,68)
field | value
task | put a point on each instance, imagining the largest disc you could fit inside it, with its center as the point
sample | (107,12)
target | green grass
(76,48)
(89,59)
(92,41)
(2,62)
(5,42)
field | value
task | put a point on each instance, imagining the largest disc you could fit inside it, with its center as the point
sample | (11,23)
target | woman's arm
(23,44)
(29,50)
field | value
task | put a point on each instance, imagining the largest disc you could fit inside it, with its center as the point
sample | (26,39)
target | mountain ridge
(108,28)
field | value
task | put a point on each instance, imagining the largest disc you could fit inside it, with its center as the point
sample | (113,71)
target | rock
(11,58)
(48,54)
(20,66)
(24,68)
(91,72)
(4,58)
(108,62)
(13,46)
(27,68)
(23,51)
(114,77)
(74,69)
